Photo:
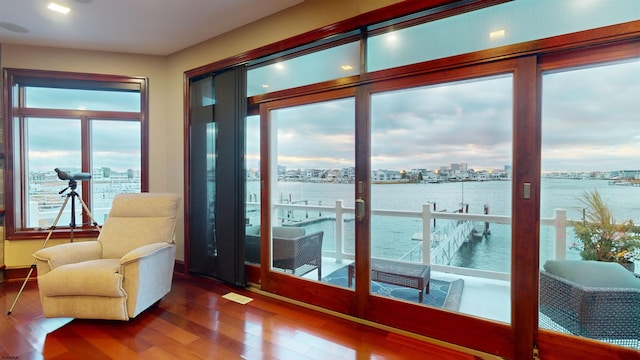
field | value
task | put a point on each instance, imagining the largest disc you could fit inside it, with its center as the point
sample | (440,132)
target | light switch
(526,191)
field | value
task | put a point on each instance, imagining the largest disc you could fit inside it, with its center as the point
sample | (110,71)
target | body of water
(392,236)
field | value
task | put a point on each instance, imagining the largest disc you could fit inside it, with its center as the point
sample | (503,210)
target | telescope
(63,175)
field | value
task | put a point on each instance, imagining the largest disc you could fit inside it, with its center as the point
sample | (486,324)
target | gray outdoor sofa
(593,299)
(293,249)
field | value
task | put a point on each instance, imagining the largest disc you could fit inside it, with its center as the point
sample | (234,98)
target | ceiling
(153,27)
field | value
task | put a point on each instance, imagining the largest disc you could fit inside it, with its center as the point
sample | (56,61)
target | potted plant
(601,238)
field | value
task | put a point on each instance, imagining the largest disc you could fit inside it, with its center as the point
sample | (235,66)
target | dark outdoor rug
(442,294)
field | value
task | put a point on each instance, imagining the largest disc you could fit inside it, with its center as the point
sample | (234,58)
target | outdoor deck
(481,297)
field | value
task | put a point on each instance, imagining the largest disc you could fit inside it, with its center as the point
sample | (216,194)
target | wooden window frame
(26,77)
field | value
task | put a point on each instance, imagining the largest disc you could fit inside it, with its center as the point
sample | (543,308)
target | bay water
(391,237)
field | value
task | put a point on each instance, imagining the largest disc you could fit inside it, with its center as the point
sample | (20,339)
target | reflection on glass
(82,99)
(51,143)
(252,195)
(590,147)
(313,175)
(437,149)
(328,64)
(504,24)
(116,159)
(211,139)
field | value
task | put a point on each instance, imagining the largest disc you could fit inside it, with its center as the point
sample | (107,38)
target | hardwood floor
(192,322)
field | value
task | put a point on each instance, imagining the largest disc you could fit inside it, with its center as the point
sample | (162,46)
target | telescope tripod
(71,195)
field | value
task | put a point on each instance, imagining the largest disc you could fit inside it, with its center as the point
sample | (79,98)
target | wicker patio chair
(293,249)
(597,300)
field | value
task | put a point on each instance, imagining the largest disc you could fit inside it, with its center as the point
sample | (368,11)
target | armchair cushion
(93,277)
(136,220)
(69,253)
(121,234)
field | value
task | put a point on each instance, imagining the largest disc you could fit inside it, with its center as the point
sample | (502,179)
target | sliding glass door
(441,160)
(590,241)
(311,180)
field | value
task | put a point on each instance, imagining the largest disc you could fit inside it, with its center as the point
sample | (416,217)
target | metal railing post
(339,235)
(426,234)
(561,233)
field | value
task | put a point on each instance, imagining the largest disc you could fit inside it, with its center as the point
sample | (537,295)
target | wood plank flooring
(197,323)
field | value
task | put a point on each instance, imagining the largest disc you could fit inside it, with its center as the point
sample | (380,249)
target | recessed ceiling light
(58,8)
(346,67)
(264,86)
(497,34)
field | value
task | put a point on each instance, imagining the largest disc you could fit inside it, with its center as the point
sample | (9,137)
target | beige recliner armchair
(128,268)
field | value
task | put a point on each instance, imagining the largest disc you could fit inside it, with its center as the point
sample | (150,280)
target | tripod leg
(44,244)
(21,289)
(93,221)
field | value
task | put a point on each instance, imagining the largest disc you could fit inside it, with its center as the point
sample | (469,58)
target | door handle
(359,209)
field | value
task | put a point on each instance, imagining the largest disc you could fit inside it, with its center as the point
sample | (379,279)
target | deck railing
(426,252)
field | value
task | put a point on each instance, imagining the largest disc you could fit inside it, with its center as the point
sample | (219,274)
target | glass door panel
(589,210)
(312,190)
(202,183)
(441,195)
(252,189)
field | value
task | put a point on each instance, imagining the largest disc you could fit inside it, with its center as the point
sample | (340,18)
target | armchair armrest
(147,273)
(143,251)
(70,253)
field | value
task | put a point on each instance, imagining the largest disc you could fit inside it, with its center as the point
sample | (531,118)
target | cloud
(590,118)
(589,122)
(56,143)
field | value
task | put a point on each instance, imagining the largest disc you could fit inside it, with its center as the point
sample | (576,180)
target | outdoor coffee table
(415,276)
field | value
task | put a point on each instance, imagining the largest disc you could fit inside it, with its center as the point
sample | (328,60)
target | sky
(591,118)
(55,143)
(590,122)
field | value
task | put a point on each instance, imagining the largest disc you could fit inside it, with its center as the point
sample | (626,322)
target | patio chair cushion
(596,274)
(253,230)
(283,232)
(288,232)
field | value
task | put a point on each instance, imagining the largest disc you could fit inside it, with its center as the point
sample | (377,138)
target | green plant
(601,237)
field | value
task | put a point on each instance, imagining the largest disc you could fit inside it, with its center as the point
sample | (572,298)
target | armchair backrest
(136,220)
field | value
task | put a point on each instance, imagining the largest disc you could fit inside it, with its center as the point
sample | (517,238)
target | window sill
(65,233)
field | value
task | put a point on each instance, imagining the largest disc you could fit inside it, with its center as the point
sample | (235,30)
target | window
(91,127)
(504,24)
(327,64)
(590,171)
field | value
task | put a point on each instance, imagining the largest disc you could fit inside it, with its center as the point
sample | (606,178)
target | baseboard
(179,269)
(18,274)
